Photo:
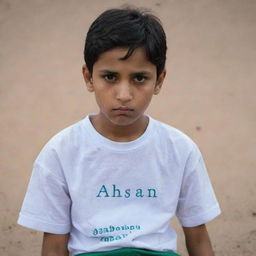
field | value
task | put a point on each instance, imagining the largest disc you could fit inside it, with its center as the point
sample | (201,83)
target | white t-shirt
(109,195)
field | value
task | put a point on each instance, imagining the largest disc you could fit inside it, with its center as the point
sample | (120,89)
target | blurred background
(209,94)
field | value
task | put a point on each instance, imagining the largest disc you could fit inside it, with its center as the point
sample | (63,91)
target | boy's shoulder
(79,139)
(172,134)
(80,132)
(80,136)
(68,134)
(67,138)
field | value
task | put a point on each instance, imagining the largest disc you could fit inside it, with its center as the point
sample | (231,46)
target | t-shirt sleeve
(46,206)
(197,201)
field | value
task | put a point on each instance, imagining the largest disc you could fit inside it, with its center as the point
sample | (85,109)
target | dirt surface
(209,94)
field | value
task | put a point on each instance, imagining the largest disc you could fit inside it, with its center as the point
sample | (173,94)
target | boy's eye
(110,77)
(140,79)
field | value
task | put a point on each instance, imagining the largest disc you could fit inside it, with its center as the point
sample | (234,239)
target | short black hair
(126,27)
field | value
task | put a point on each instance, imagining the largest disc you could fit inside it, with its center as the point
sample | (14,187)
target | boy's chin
(123,120)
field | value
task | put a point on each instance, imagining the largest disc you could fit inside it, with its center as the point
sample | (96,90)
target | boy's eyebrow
(143,72)
(108,71)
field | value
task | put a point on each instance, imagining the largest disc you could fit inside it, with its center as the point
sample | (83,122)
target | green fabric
(129,251)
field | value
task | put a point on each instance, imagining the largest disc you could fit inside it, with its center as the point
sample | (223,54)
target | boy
(109,184)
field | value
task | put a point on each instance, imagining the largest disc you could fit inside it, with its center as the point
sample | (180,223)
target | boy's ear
(87,78)
(159,82)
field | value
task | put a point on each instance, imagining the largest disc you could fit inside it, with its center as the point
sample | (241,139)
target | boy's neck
(119,133)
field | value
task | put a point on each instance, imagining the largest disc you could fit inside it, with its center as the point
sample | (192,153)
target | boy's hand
(55,245)
(197,241)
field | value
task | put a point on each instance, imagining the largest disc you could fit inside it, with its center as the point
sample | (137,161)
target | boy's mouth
(123,110)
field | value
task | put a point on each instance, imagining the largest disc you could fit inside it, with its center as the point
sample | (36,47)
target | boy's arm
(55,245)
(197,241)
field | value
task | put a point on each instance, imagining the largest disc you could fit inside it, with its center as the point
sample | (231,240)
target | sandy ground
(209,93)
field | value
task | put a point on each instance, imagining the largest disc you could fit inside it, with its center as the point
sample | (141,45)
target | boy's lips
(122,110)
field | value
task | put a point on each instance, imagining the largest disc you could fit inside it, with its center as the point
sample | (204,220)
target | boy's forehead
(120,52)
(113,58)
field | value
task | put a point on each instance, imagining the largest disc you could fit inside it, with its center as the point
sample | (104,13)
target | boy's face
(123,88)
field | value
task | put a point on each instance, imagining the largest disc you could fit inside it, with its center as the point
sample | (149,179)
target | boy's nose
(124,93)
